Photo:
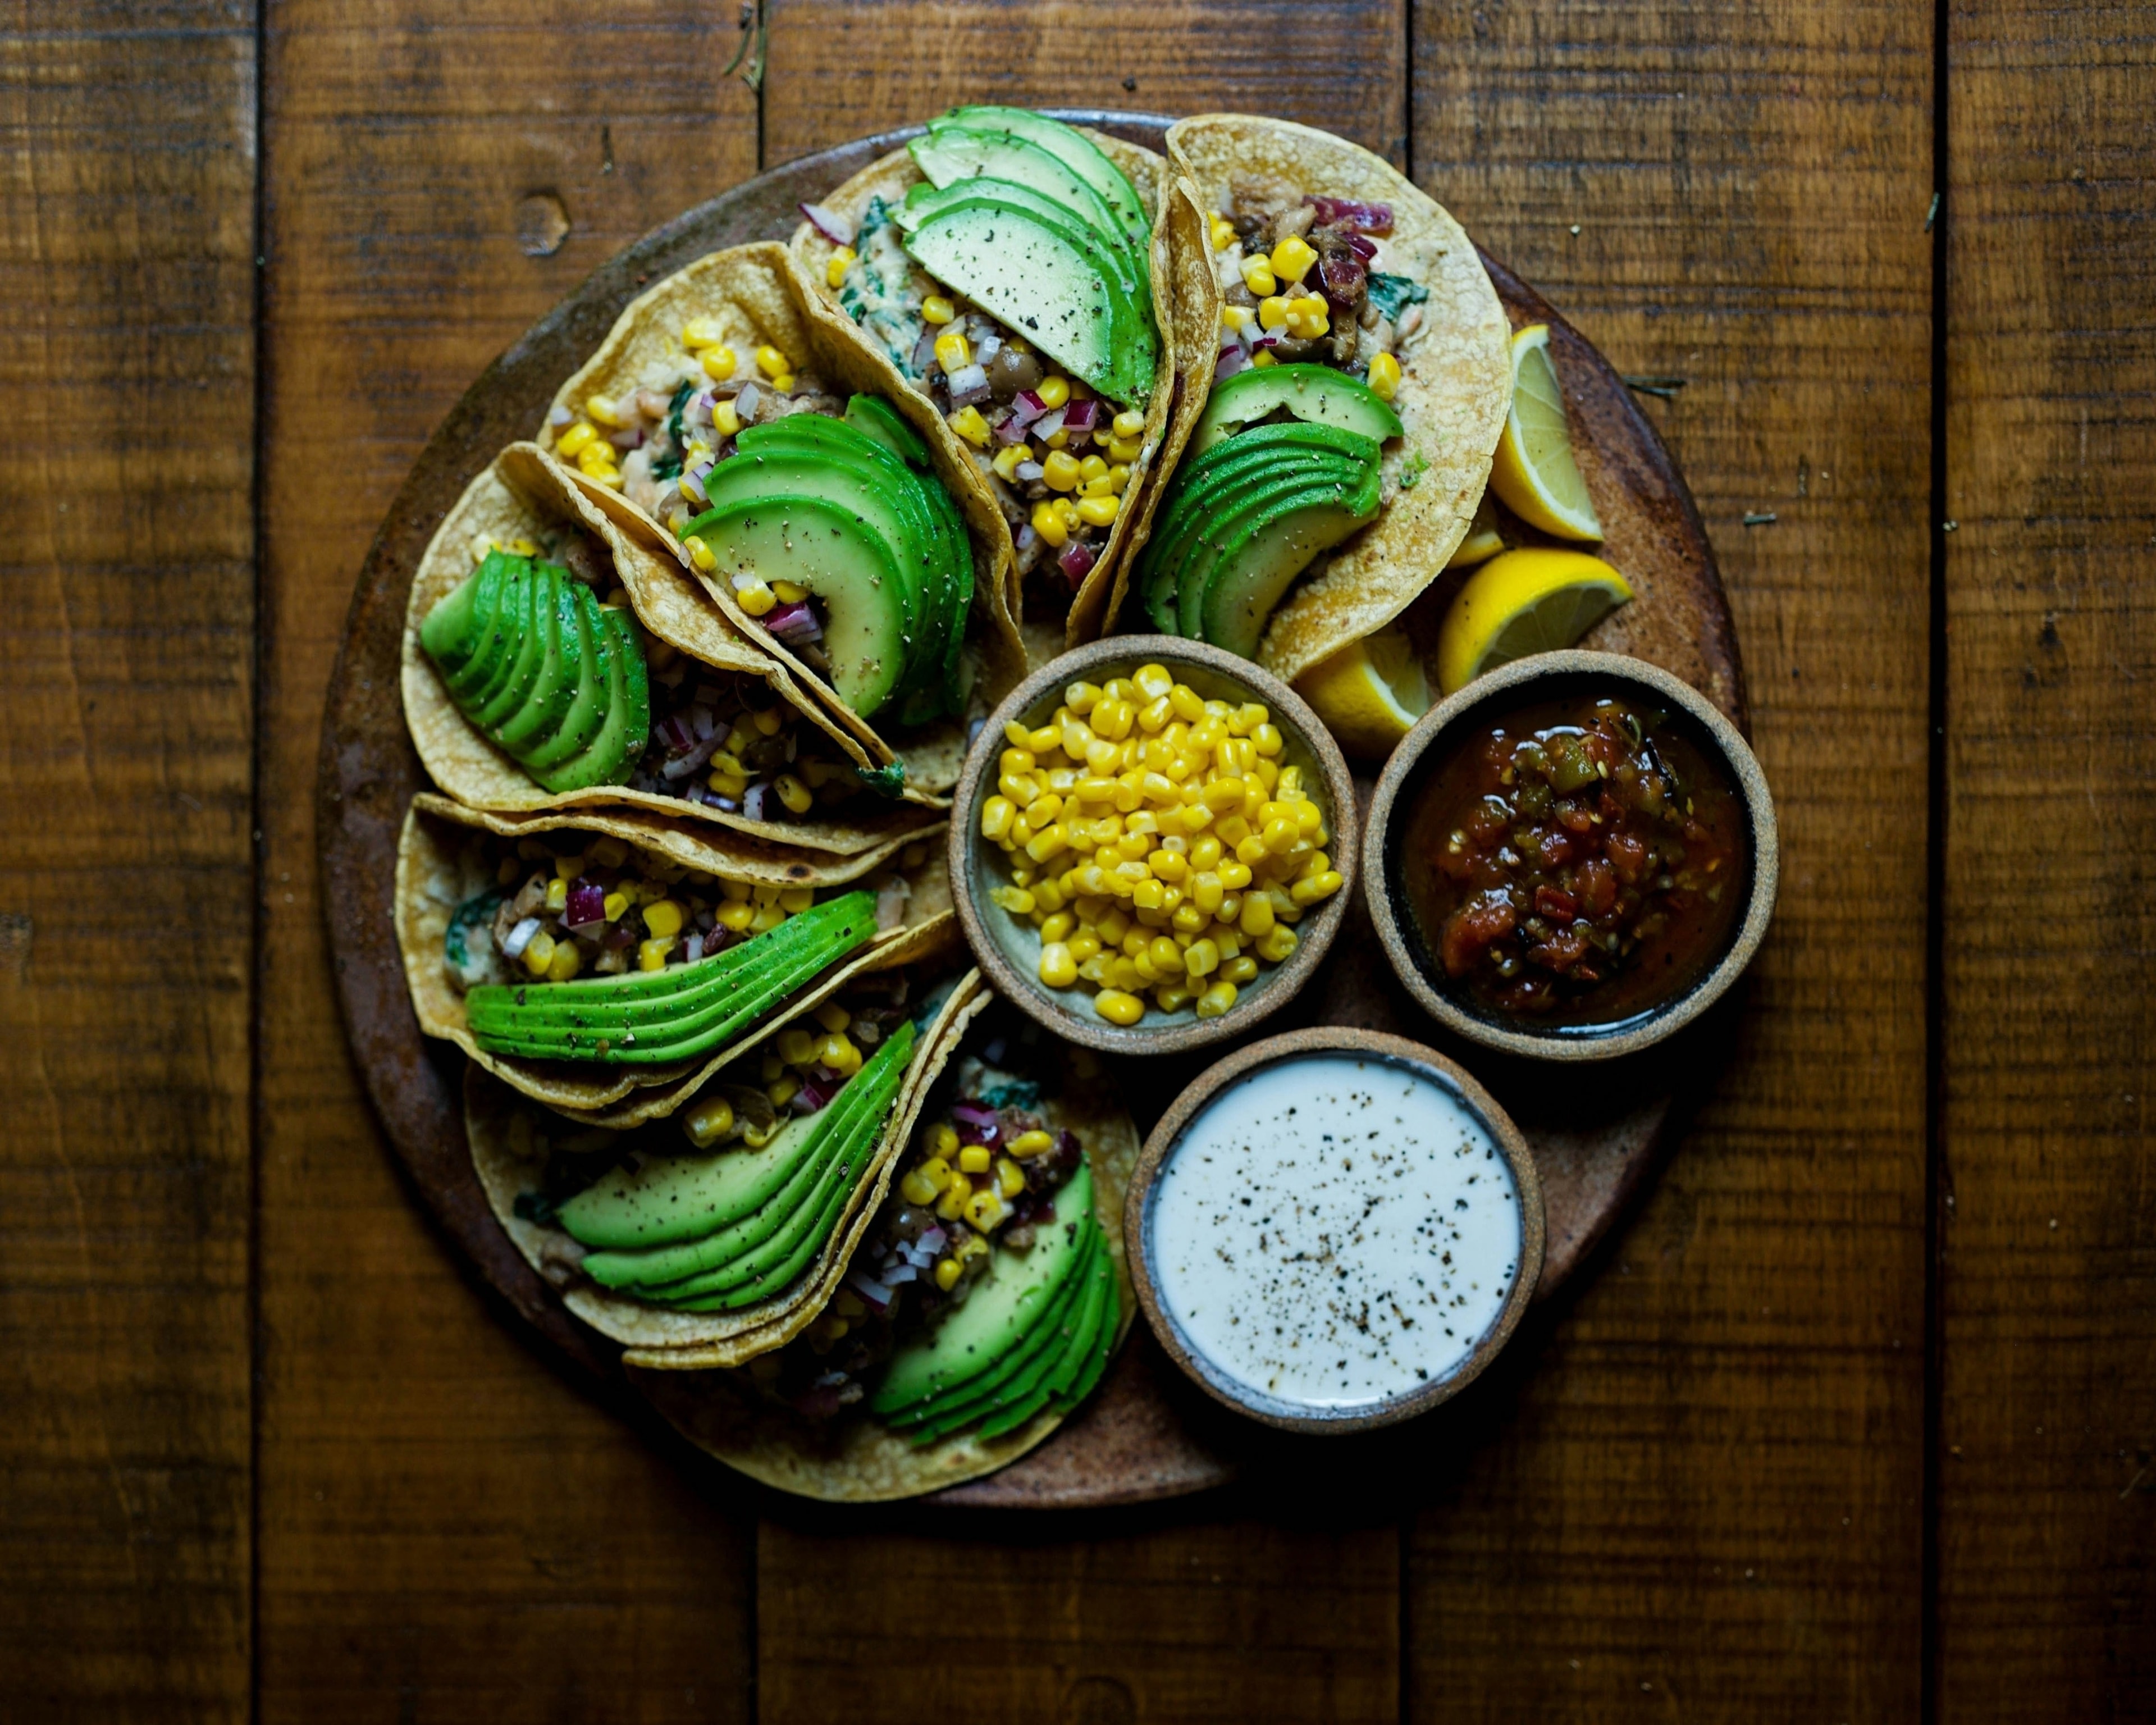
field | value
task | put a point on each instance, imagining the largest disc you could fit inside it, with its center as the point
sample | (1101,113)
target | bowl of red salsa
(1572,858)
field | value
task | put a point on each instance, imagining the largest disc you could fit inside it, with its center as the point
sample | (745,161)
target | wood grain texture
(839,69)
(127,894)
(1081,1631)
(447,1530)
(1707,1499)
(2047,1265)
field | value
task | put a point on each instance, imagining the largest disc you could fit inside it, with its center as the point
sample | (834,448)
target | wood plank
(839,70)
(127,883)
(1707,1499)
(448,1529)
(1207,1615)
(1159,1614)
(2047,1301)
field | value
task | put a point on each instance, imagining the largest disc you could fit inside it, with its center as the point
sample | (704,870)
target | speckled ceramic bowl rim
(1373,1045)
(1392,919)
(970,858)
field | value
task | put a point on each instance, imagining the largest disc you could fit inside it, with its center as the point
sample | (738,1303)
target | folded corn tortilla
(1456,376)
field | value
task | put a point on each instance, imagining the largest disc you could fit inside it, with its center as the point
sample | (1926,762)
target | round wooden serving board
(1147,1433)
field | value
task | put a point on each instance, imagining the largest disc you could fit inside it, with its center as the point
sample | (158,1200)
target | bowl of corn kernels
(1152,844)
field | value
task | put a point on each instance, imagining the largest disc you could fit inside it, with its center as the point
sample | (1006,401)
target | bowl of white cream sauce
(1336,1230)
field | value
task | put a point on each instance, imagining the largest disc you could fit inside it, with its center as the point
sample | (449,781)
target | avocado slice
(588,707)
(1050,280)
(1020,1373)
(655,1016)
(836,556)
(1314,393)
(997,1314)
(874,417)
(1207,515)
(667,1199)
(784,1272)
(497,641)
(692,1265)
(553,687)
(523,652)
(610,758)
(1273,545)
(1077,151)
(457,631)
(1103,1348)
(1080,1335)
(1103,1312)
(950,154)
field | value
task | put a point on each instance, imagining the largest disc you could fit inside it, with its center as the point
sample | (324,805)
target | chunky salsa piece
(1579,863)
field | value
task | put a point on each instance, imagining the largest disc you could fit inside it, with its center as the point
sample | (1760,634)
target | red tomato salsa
(1579,862)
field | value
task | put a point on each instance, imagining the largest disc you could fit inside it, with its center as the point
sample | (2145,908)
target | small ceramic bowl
(1009,949)
(1444,727)
(1140,1224)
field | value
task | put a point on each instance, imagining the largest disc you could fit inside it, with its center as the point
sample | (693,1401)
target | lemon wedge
(1483,541)
(1533,600)
(1533,473)
(1369,694)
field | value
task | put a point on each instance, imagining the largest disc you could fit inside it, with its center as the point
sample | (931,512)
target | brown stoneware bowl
(1449,726)
(1141,1249)
(1009,949)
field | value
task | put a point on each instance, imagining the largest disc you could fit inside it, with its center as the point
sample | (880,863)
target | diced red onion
(976,1123)
(932,1240)
(519,937)
(711,800)
(1028,471)
(1076,560)
(899,1274)
(702,720)
(991,345)
(1363,248)
(1078,415)
(1010,430)
(692,948)
(618,937)
(969,384)
(1340,277)
(1049,423)
(692,483)
(828,222)
(869,1289)
(1027,537)
(794,622)
(1233,360)
(1231,337)
(586,903)
(813,1095)
(924,350)
(746,401)
(1026,407)
(627,437)
(1265,338)
(1080,441)
(1348,211)
(674,732)
(558,417)
(681,766)
(752,804)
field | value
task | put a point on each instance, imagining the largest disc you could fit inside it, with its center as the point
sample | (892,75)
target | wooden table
(1854,1421)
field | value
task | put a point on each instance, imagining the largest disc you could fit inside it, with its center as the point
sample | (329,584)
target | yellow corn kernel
(1060,472)
(1310,890)
(973,1159)
(663,919)
(835,267)
(1043,846)
(1079,699)
(1100,511)
(795,1045)
(985,1211)
(1127,424)
(1277,944)
(1384,376)
(571,443)
(1010,1178)
(796,797)
(1234,873)
(1124,448)
(1258,275)
(1240,970)
(771,361)
(956,1192)
(916,1189)
(1014,899)
(939,310)
(1054,392)
(1293,258)
(1257,917)
(1216,1000)
(1118,1007)
(1222,232)
(1262,358)
(943,1139)
(726,420)
(969,1248)
(947,1273)
(1048,522)
(1030,1144)
(1005,461)
(996,816)
(1167,957)
(718,363)
(557,894)
(952,352)
(1085,946)
(839,1053)
(708,1122)
(1058,968)
(969,425)
(735,916)
(1236,317)
(595,458)
(756,599)
(651,954)
(783,1089)
(566,962)
(600,410)
(1202,957)
(1272,312)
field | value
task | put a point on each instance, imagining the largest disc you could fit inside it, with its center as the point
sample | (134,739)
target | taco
(1360,378)
(710,1241)
(547,665)
(830,518)
(1010,271)
(983,1305)
(610,965)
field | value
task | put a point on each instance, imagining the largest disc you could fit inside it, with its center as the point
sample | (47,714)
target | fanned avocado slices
(1314,393)
(650,1017)
(851,509)
(1020,1334)
(1072,147)
(543,670)
(725,1231)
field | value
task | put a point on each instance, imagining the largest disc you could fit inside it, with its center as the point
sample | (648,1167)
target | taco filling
(1011,287)
(1288,459)
(983,1293)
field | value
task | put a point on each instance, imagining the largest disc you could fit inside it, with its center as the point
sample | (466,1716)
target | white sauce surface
(1334,1231)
